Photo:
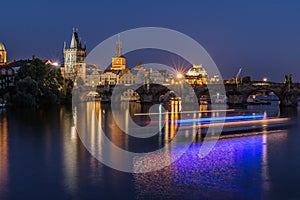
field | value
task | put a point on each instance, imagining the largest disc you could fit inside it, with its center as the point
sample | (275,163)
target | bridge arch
(264,91)
(287,94)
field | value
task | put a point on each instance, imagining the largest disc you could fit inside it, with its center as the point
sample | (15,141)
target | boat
(219,99)
(252,100)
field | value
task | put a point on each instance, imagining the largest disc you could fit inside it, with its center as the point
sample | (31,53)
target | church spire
(118,47)
(74,41)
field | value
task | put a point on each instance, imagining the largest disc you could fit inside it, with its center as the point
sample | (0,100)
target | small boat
(219,99)
(252,100)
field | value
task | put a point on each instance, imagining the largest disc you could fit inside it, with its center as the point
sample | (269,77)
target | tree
(27,90)
(51,87)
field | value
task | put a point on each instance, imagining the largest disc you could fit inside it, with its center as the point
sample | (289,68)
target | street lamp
(179,76)
(265,79)
(55,64)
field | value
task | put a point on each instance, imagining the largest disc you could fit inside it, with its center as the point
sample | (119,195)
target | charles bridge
(287,93)
(237,94)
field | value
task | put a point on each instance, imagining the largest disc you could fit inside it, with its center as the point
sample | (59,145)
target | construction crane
(237,76)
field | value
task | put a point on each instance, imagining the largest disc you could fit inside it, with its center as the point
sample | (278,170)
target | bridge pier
(289,99)
(237,100)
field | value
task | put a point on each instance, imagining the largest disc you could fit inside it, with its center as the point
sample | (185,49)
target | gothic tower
(119,61)
(2,54)
(74,56)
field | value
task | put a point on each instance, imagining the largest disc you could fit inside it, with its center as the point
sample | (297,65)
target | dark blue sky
(263,37)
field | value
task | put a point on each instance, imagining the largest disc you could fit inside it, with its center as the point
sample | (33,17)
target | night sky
(262,37)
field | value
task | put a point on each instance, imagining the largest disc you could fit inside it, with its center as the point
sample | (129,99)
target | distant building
(93,75)
(118,68)
(92,78)
(8,72)
(215,79)
(128,77)
(155,76)
(196,75)
(119,61)
(74,59)
(16,65)
(7,75)
(140,72)
(110,77)
(2,54)
(139,66)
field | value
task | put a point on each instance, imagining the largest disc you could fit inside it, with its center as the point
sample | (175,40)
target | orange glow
(4,153)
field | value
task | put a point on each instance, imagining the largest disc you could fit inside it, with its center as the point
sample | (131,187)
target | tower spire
(75,40)
(118,47)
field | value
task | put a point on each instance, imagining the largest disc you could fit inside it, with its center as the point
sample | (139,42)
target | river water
(42,157)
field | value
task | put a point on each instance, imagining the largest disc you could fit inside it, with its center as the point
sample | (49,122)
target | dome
(2,47)
(197,70)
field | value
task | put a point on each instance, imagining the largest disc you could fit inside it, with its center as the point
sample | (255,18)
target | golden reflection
(4,155)
(166,128)
(70,150)
(203,107)
(174,116)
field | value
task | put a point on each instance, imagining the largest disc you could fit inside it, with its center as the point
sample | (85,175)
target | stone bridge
(287,93)
(237,94)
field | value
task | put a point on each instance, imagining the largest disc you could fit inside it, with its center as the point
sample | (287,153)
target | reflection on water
(233,170)
(236,167)
(42,157)
(3,156)
(70,153)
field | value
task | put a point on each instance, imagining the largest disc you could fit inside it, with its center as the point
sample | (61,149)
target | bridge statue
(287,92)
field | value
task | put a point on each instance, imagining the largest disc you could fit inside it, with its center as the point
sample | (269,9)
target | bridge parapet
(237,94)
(287,93)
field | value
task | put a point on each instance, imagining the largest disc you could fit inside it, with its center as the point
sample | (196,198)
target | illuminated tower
(118,62)
(2,54)
(74,65)
(118,47)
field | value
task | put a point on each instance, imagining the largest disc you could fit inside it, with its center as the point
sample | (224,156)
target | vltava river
(42,157)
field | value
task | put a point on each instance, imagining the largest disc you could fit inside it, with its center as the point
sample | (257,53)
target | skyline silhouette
(261,37)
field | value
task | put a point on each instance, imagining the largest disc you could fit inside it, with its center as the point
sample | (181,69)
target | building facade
(196,75)
(7,75)
(110,77)
(2,54)
(74,59)
(93,74)
(128,77)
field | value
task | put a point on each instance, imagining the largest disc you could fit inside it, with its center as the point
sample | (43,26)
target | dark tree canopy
(40,84)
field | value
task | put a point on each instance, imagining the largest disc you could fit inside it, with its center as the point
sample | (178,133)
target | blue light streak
(214,119)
